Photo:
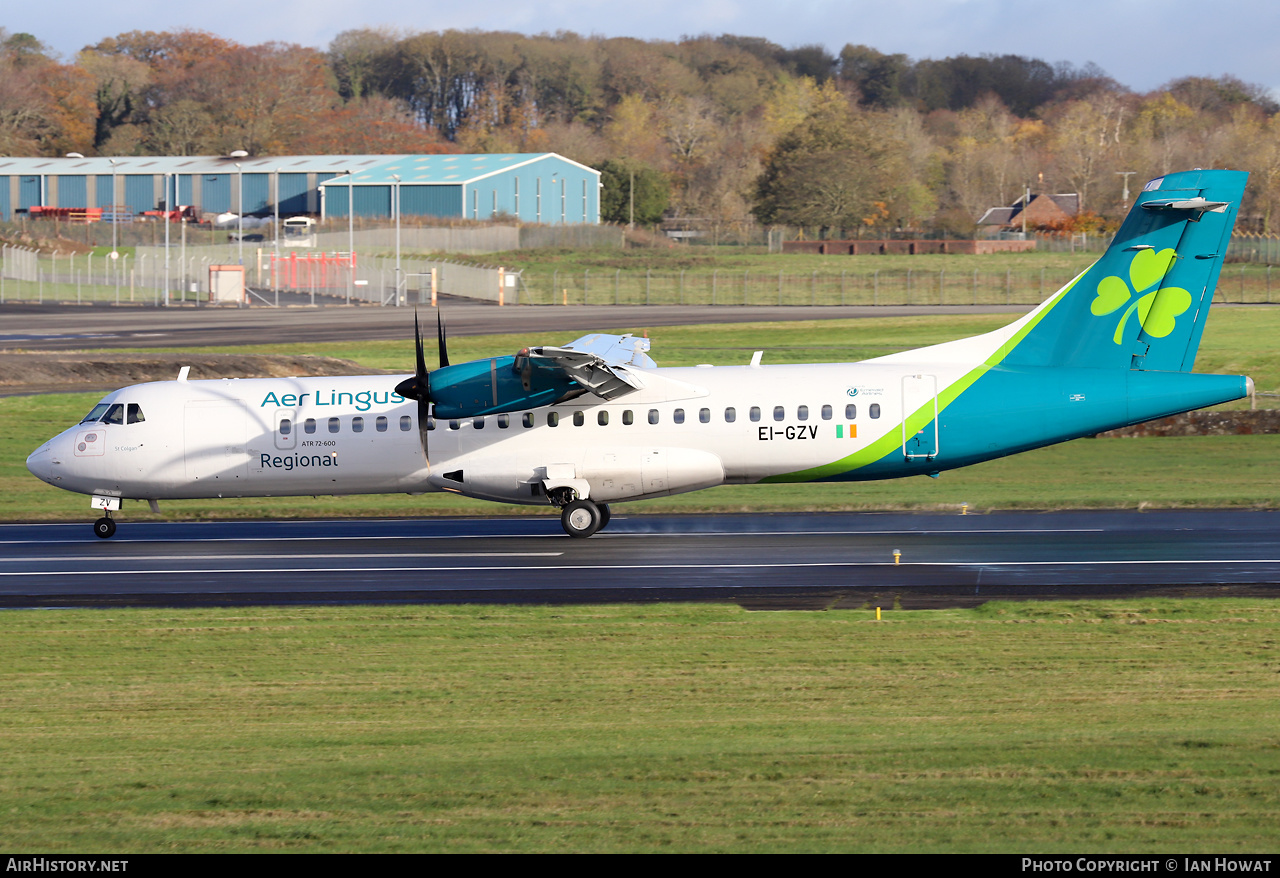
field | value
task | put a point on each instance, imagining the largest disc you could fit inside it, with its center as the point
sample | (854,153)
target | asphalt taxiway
(760,561)
(49,327)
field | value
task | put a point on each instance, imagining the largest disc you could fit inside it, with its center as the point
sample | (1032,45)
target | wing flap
(606,380)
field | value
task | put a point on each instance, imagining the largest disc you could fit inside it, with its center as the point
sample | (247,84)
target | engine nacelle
(496,385)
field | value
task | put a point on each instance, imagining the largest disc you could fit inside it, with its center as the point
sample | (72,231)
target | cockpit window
(96,415)
(114,415)
(135,414)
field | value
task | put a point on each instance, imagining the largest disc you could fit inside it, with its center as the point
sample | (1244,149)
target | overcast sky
(1140,43)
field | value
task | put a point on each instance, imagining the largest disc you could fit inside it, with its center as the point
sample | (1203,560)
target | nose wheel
(582,518)
(104,527)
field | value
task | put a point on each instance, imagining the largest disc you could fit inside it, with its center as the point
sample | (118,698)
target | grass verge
(1121,726)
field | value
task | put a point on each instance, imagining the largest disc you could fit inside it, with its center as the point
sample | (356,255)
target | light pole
(115,218)
(240,211)
(396,207)
(351,237)
(168,212)
(276,220)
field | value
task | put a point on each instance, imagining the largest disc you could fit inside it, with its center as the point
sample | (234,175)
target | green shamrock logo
(1156,316)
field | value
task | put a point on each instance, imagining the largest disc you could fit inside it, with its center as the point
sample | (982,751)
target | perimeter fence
(1238,283)
(145,276)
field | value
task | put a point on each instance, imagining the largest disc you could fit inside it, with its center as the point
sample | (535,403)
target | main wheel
(580,519)
(104,528)
(605,515)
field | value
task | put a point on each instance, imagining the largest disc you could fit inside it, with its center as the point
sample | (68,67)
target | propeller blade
(419,386)
(424,418)
(444,350)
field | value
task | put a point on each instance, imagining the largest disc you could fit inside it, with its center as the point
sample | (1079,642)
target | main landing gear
(582,518)
(104,527)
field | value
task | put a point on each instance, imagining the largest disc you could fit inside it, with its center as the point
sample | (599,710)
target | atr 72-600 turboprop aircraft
(596,422)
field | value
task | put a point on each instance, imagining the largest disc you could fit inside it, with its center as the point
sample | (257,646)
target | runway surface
(49,328)
(761,561)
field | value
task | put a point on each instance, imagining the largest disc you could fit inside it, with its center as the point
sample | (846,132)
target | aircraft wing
(603,364)
(617,350)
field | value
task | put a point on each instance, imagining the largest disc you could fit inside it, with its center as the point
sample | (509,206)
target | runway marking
(727,566)
(230,558)
(533,536)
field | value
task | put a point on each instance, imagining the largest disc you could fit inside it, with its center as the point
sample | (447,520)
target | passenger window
(381,424)
(779,413)
(803,413)
(553,419)
(455,424)
(431,423)
(114,415)
(527,420)
(309,425)
(602,418)
(357,424)
(335,424)
(628,417)
(579,418)
(286,426)
(135,414)
(406,423)
(826,413)
(875,410)
(678,416)
(851,412)
(704,416)
(478,423)
(730,415)
(755,413)
(653,416)
(504,421)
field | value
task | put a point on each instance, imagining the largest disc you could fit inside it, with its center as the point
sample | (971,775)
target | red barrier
(310,270)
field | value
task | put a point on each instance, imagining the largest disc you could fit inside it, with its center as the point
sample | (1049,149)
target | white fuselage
(687,428)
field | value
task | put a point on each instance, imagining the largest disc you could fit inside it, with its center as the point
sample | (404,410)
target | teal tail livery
(1114,347)
(596,421)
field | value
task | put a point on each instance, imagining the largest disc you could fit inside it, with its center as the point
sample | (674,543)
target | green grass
(1140,725)
(1101,473)
(703,258)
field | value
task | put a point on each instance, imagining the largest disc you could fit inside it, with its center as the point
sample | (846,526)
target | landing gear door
(920,437)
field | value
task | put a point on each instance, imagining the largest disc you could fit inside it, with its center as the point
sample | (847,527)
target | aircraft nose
(40,462)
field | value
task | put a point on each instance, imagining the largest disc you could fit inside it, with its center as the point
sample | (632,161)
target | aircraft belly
(612,474)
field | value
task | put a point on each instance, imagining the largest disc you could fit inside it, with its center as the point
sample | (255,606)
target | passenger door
(920,393)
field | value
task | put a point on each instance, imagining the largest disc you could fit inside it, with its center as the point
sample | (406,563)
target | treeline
(728,129)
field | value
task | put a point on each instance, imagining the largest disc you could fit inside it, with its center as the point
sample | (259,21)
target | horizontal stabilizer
(1195,207)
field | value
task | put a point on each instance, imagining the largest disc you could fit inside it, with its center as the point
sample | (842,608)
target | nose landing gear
(104,527)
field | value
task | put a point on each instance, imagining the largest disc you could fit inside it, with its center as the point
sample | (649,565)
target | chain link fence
(146,276)
(1244,284)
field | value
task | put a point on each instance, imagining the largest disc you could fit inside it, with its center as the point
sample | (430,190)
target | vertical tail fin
(1143,305)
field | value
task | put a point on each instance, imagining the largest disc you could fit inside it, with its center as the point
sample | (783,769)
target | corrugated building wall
(534,187)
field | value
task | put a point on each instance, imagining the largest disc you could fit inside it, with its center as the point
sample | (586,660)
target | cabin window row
(579,417)
(356,424)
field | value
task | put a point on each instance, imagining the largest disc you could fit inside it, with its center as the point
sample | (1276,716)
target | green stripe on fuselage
(920,418)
